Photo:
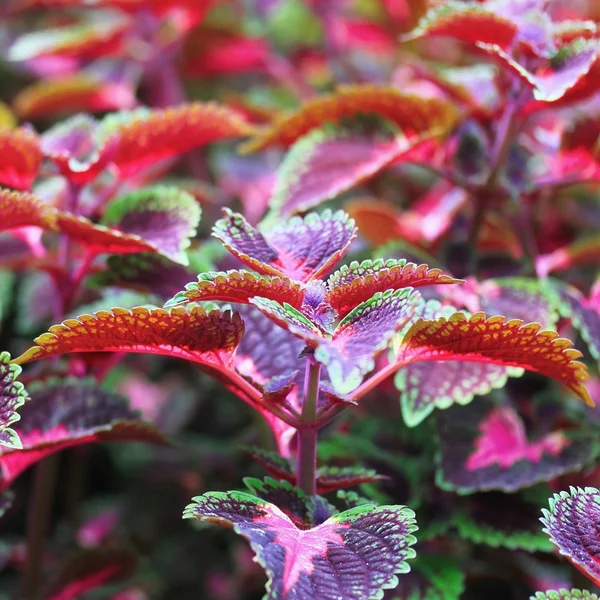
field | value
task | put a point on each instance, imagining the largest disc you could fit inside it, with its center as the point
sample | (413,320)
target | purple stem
(308,430)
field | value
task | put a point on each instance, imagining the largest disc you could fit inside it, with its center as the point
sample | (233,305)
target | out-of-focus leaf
(580,252)
(563,594)
(22,209)
(20,157)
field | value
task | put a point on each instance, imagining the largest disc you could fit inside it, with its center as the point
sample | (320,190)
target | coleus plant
(333,331)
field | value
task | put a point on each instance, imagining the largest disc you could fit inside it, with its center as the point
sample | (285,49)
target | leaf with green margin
(287,317)
(364,333)
(432,384)
(502,521)
(329,161)
(354,283)
(240,287)
(301,248)
(572,304)
(167,217)
(12,397)
(572,524)
(432,578)
(356,554)
(573,594)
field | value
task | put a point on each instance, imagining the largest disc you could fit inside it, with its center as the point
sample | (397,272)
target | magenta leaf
(164,216)
(144,272)
(329,161)
(441,384)
(12,397)
(352,555)
(365,332)
(300,248)
(572,524)
(68,412)
(485,447)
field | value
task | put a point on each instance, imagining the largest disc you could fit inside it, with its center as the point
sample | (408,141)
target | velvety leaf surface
(329,161)
(357,282)
(485,447)
(12,397)
(355,554)
(410,114)
(208,338)
(502,521)
(69,412)
(20,157)
(572,524)
(151,273)
(494,340)
(362,334)
(300,248)
(573,594)
(431,578)
(240,287)
(146,137)
(163,216)
(21,209)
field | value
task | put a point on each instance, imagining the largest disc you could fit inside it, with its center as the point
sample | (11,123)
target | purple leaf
(65,413)
(484,447)
(164,216)
(330,161)
(352,555)
(12,397)
(330,479)
(276,465)
(572,524)
(301,248)
(362,335)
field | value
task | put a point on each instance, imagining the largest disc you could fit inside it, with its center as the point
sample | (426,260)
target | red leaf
(411,114)
(495,340)
(151,136)
(21,209)
(20,157)
(581,252)
(205,338)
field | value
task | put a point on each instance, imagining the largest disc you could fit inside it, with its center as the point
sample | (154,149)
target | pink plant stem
(308,430)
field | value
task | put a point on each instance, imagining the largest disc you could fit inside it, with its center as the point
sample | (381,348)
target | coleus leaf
(20,157)
(12,397)
(22,209)
(427,386)
(240,287)
(207,338)
(494,340)
(304,511)
(68,412)
(362,334)
(79,92)
(159,219)
(355,554)
(357,282)
(468,22)
(585,317)
(432,578)
(573,594)
(277,466)
(412,115)
(330,479)
(300,248)
(329,161)
(89,569)
(502,521)
(485,447)
(572,524)
(151,273)
(165,216)
(580,252)
(145,137)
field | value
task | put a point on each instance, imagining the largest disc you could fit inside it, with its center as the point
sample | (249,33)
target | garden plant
(323,273)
